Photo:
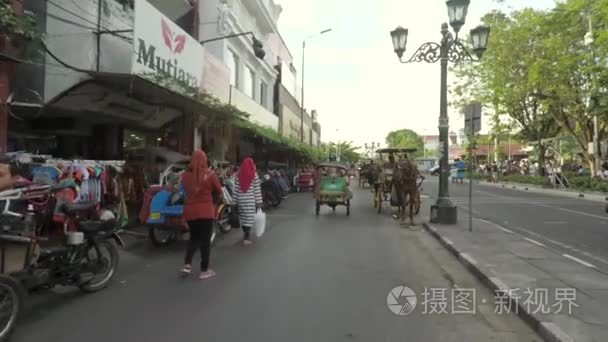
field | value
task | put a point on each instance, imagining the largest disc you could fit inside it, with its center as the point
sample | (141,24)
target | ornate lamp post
(453,50)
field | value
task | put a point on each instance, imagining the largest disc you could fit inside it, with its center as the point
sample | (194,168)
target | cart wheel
(348,208)
(318,207)
(12,296)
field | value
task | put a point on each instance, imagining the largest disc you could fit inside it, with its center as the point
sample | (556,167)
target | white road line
(582,262)
(498,226)
(535,242)
(574,211)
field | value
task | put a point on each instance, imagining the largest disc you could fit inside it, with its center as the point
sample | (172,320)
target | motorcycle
(227,215)
(271,194)
(86,256)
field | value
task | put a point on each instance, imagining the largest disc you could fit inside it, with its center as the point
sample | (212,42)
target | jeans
(200,237)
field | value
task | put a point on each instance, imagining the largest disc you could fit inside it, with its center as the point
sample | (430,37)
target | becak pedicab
(163,206)
(333,188)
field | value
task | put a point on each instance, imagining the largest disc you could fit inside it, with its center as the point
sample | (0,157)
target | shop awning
(128,99)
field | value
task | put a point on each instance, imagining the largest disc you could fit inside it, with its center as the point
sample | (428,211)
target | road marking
(574,211)
(498,226)
(535,242)
(555,222)
(582,262)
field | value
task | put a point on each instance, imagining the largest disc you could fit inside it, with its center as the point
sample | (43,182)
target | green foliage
(18,27)
(533,180)
(406,138)
(539,71)
(236,116)
(348,152)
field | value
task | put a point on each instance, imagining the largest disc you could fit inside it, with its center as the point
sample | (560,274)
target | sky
(354,79)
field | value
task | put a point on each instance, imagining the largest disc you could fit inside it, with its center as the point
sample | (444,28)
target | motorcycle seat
(95,226)
(72,208)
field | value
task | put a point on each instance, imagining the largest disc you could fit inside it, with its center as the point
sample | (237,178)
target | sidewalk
(535,279)
(591,196)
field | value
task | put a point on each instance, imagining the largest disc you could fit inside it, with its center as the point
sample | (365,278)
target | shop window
(264,94)
(233,65)
(249,82)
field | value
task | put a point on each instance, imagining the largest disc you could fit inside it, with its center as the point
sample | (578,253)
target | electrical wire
(130,26)
(94,29)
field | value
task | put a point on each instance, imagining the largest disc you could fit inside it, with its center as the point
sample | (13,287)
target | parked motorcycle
(227,215)
(86,256)
(271,194)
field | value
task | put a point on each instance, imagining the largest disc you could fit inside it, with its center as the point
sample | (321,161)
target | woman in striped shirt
(248,196)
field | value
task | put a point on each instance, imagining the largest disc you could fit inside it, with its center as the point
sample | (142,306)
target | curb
(549,331)
(562,193)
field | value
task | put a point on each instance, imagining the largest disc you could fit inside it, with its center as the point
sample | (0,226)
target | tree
(346,149)
(406,138)
(504,80)
(575,83)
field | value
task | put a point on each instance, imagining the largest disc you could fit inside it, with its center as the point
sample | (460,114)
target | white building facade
(251,81)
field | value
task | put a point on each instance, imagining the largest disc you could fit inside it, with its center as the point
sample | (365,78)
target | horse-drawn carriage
(384,189)
(334,187)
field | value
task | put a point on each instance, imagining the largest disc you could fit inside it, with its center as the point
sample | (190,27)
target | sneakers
(187,269)
(247,242)
(207,274)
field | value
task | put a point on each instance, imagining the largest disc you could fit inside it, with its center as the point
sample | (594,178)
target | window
(264,94)
(233,65)
(249,82)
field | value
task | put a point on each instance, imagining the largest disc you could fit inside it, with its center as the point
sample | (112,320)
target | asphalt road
(307,279)
(575,227)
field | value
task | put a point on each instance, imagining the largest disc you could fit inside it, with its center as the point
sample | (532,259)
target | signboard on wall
(163,52)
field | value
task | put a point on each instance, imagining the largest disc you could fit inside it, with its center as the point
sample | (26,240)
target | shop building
(111,78)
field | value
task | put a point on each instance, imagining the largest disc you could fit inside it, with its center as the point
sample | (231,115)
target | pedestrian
(248,196)
(200,183)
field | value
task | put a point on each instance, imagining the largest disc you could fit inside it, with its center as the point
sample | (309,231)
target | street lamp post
(450,49)
(302,104)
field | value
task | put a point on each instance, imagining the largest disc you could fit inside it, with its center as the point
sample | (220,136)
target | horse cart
(334,187)
(383,188)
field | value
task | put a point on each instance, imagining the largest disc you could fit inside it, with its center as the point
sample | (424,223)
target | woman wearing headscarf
(248,196)
(199,183)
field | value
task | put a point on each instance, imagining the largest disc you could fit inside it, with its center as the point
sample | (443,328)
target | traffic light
(258,49)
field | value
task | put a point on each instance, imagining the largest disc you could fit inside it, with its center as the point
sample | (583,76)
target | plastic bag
(259,222)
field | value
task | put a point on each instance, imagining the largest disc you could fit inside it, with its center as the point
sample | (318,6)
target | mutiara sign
(161,47)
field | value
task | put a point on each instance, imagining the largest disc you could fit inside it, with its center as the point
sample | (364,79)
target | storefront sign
(163,52)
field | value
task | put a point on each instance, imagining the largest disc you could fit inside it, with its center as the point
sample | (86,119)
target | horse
(404,181)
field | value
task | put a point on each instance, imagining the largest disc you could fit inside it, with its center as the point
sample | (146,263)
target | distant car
(435,170)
